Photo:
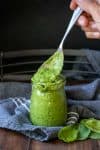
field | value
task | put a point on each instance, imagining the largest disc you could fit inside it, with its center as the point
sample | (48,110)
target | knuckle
(93,35)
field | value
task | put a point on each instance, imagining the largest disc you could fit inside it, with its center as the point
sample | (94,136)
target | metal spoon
(73,20)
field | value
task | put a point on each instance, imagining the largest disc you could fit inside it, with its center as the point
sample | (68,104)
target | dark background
(29,24)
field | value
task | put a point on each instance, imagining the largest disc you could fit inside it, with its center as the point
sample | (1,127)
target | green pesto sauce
(48,108)
(48,99)
(50,69)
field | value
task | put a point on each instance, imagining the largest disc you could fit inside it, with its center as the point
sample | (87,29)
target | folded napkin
(83,100)
(91,65)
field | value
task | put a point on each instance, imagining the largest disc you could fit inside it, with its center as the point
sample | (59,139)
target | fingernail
(81,22)
(82,0)
(94,26)
(79,1)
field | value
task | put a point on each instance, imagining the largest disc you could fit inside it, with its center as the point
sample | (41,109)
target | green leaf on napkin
(94,135)
(68,133)
(92,124)
(83,132)
(87,128)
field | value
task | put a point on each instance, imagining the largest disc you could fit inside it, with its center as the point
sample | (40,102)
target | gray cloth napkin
(91,65)
(82,99)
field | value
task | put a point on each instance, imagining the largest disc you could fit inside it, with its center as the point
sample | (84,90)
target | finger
(83,21)
(91,7)
(89,29)
(73,4)
(92,27)
(98,1)
(93,35)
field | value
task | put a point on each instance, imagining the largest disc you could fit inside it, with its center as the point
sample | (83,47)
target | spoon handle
(77,12)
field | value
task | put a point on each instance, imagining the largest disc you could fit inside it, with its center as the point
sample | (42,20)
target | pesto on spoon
(50,69)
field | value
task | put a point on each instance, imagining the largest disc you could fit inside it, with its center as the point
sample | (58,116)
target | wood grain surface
(10,140)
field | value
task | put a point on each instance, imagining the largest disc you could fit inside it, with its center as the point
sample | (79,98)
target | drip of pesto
(50,70)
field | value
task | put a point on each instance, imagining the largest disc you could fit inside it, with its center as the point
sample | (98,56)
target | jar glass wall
(48,104)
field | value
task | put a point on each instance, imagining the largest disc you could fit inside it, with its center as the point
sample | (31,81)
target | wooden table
(10,140)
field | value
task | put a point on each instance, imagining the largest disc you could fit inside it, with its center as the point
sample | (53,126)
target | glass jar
(48,104)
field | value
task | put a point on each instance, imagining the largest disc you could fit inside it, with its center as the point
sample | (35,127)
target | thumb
(91,7)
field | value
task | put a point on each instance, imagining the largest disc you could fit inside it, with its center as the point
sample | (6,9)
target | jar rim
(60,78)
(51,85)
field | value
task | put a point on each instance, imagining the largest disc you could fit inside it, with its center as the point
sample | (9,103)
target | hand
(89,21)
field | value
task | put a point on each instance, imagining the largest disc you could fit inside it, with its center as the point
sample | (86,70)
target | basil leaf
(94,135)
(83,132)
(92,124)
(68,133)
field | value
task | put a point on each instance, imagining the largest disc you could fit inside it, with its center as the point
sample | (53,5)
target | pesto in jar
(48,99)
